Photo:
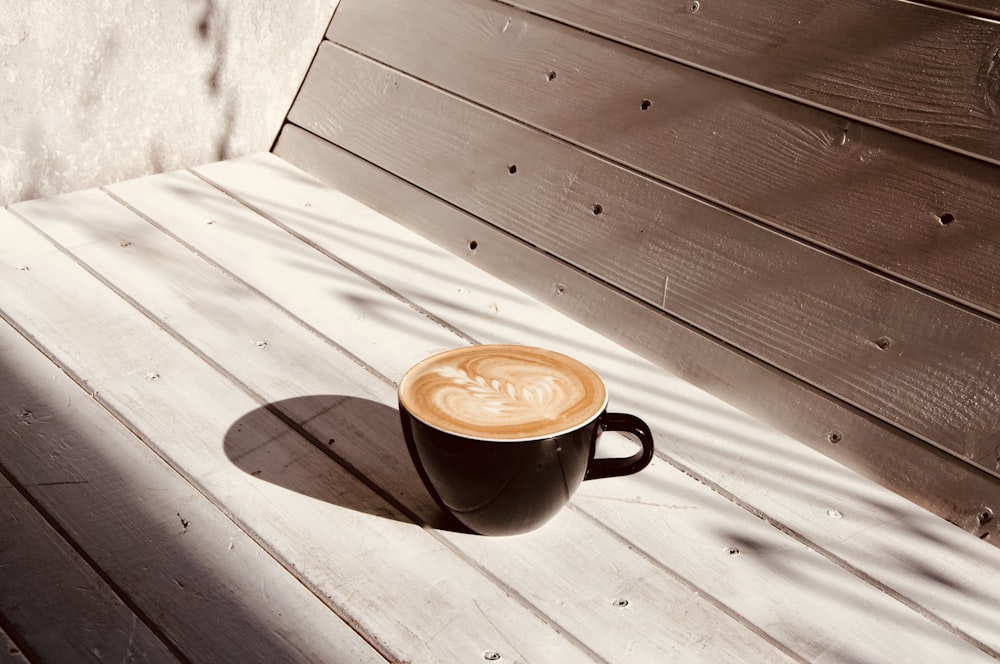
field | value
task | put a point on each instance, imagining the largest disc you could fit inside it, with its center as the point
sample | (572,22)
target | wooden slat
(406,592)
(871,195)
(191,571)
(55,603)
(917,69)
(667,506)
(172,201)
(416,598)
(896,543)
(798,308)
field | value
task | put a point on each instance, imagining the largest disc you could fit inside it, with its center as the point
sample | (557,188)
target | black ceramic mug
(502,435)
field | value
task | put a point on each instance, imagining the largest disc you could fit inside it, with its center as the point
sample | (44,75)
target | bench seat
(201,461)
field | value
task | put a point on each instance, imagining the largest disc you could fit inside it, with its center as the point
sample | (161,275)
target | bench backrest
(793,205)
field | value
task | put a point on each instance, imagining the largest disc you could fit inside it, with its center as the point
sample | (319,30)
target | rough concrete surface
(99,91)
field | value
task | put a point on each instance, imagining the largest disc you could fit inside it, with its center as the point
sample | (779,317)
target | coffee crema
(503,392)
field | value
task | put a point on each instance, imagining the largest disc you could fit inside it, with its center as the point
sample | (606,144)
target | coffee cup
(502,435)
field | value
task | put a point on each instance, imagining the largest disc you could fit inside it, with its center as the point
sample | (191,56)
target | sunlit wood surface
(200,460)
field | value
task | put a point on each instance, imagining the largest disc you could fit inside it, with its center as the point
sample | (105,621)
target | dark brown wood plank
(911,359)
(920,70)
(934,479)
(866,193)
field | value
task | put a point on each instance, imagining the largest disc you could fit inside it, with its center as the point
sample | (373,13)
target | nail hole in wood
(945,218)
(694,6)
(646,104)
(621,603)
(473,245)
(883,343)
(834,437)
(985,516)
(512,169)
(560,289)
(598,208)
(733,551)
(550,76)
(491,656)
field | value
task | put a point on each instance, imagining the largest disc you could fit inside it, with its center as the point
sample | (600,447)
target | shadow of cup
(363,463)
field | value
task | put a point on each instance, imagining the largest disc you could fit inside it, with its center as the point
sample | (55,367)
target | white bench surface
(200,460)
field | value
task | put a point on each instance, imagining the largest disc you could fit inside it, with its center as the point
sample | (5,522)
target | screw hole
(883,343)
(473,245)
(598,208)
(985,516)
(733,551)
(512,169)
(621,603)
(694,6)
(491,655)
(550,76)
(560,289)
(946,218)
(646,104)
(834,437)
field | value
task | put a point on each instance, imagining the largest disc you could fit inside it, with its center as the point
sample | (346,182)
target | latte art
(503,392)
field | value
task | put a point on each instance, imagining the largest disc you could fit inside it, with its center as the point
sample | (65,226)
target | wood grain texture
(422,597)
(927,72)
(801,309)
(55,604)
(934,479)
(182,562)
(527,566)
(868,194)
(406,592)
(682,510)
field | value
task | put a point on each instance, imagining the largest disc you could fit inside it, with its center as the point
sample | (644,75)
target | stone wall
(104,90)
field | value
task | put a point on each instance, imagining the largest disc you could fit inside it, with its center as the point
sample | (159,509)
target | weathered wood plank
(418,598)
(667,506)
(917,362)
(862,192)
(191,571)
(409,595)
(782,480)
(526,565)
(924,71)
(56,604)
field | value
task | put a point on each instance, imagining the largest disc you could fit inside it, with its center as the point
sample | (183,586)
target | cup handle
(599,468)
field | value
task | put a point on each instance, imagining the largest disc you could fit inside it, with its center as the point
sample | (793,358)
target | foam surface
(503,392)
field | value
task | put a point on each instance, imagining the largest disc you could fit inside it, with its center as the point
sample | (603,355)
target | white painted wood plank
(401,585)
(189,569)
(531,567)
(928,563)
(311,283)
(145,193)
(61,608)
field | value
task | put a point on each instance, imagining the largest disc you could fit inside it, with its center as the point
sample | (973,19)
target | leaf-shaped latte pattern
(542,398)
(503,392)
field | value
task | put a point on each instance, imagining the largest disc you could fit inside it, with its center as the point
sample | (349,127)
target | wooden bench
(772,230)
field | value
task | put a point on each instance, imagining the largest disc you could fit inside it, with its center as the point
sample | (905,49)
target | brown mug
(502,435)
